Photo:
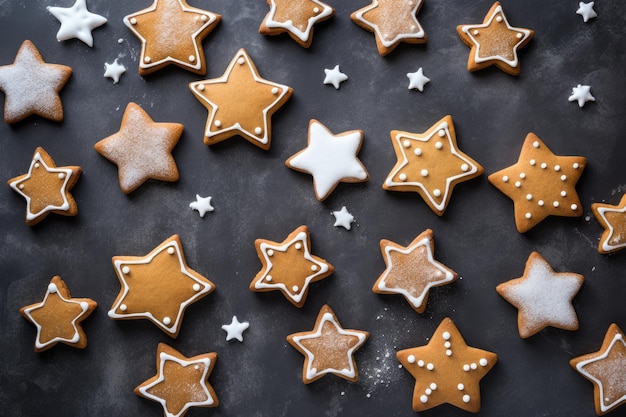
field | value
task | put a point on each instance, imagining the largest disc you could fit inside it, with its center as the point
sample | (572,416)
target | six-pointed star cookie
(180,382)
(32,86)
(543,297)
(606,369)
(158,286)
(141,149)
(330,159)
(447,370)
(240,102)
(494,42)
(613,220)
(171,32)
(412,270)
(296,17)
(328,348)
(77,22)
(541,184)
(289,266)
(58,317)
(46,188)
(430,164)
(392,21)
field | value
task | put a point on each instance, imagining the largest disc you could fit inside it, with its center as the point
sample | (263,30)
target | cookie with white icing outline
(296,18)
(613,221)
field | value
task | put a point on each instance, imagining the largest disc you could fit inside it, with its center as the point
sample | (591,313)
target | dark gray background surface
(256,196)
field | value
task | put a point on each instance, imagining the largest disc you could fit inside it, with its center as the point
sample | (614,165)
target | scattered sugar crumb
(120,40)
(368,395)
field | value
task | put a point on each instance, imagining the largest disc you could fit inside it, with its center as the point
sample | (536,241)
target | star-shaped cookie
(32,86)
(158,286)
(46,188)
(330,159)
(289,266)
(613,220)
(328,348)
(171,32)
(296,17)
(543,297)
(447,370)
(494,42)
(141,149)
(240,102)
(430,164)
(541,184)
(606,369)
(392,21)
(412,270)
(77,22)
(58,317)
(180,382)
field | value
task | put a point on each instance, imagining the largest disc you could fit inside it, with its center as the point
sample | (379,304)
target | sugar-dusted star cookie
(289,266)
(296,18)
(343,218)
(141,149)
(447,370)
(77,22)
(430,164)
(235,329)
(58,317)
(334,77)
(542,296)
(114,70)
(494,42)
(240,102)
(392,21)
(171,32)
(46,188)
(32,86)
(606,369)
(412,270)
(158,286)
(328,348)
(541,184)
(330,159)
(581,94)
(613,220)
(180,382)
(586,11)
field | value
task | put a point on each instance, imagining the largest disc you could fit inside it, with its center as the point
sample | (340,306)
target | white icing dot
(535,144)
(557,167)
(475,31)
(316,10)
(420,363)
(314,267)
(533,162)
(123,307)
(167,321)
(522,175)
(519,35)
(466,398)
(196,287)
(499,19)
(240,61)
(483,362)
(268,278)
(473,365)
(439,145)
(170,250)
(529,197)
(563,177)
(275,90)
(192,58)
(133,21)
(204,18)
(411,358)
(447,345)
(528,215)
(424,399)
(430,366)
(218,123)
(575,166)
(540,203)
(402,177)
(270,252)
(460,387)
(442,133)
(618,337)
(258,130)
(21,186)
(36,164)
(424,172)
(406,143)
(437,192)
(433,386)
(126,270)
(295,288)
(428,391)
(200,87)
(466,367)
(448,352)
(505,179)
(544,165)
(52,288)
(147,60)
(417,151)
(464,167)
(518,184)
(574,207)
(563,193)
(61,175)
(298,246)
(196,367)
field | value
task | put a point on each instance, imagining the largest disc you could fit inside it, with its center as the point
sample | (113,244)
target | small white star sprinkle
(202,205)
(582,94)
(586,11)
(77,22)
(235,329)
(343,218)
(114,70)
(334,77)
(417,80)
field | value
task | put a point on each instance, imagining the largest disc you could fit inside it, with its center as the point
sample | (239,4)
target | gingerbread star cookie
(447,370)
(296,18)
(180,382)
(430,164)
(240,102)
(392,21)
(494,42)
(171,32)
(328,348)
(541,184)
(289,266)
(46,188)
(158,286)
(606,369)
(141,149)
(543,297)
(412,270)
(58,317)
(613,220)
(32,86)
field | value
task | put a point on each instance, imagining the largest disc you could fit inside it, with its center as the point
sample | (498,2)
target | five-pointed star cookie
(581,94)
(447,370)
(235,329)
(296,17)
(541,184)
(613,220)
(77,22)
(392,21)
(334,77)
(343,218)
(289,266)
(586,11)
(171,32)
(417,80)
(202,205)
(114,70)
(32,86)
(543,297)
(328,348)
(330,159)
(606,369)
(46,188)
(412,270)
(430,164)
(180,382)
(494,42)
(158,286)
(240,102)
(58,317)
(141,149)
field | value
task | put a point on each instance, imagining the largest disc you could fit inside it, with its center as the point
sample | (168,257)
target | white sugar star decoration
(586,11)
(202,205)
(581,94)
(334,77)
(417,80)
(235,329)
(77,22)
(114,70)
(343,218)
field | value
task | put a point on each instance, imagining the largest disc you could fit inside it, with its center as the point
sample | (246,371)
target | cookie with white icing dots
(613,220)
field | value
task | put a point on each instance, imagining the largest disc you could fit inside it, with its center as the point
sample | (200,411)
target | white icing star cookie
(202,205)
(417,80)
(235,329)
(581,94)
(77,22)
(114,70)
(586,11)
(334,77)
(343,218)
